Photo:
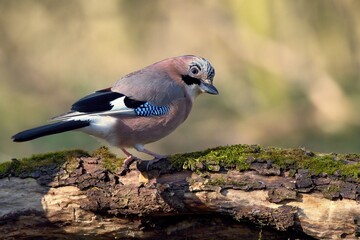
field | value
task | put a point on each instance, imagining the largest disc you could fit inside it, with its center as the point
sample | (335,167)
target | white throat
(193,91)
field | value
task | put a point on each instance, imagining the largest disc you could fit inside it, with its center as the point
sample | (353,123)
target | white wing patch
(118,108)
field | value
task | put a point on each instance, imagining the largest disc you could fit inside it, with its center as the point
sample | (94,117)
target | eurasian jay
(142,107)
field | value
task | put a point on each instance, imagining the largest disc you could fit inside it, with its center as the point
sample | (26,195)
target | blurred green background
(287,71)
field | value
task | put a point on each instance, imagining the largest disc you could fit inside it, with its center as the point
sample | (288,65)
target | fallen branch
(206,194)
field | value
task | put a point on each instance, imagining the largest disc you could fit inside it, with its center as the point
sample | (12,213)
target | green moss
(35,162)
(71,165)
(284,158)
(321,164)
(112,165)
(27,166)
(103,152)
(5,169)
(235,156)
(240,157)
(109,160)
(351,170)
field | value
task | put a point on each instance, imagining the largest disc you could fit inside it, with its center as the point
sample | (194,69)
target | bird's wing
(108,103)
(155,87)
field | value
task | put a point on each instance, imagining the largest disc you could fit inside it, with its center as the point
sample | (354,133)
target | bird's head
(197,73)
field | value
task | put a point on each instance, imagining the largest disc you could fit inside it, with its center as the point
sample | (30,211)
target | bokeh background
(287,71)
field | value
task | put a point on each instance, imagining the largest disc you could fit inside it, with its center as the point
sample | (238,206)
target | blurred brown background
(287,71)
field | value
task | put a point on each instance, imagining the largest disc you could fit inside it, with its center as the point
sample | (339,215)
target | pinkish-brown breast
(133,130)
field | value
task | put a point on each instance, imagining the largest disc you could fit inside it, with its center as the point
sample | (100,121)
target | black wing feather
(131,103)
(96,102)
(100,101)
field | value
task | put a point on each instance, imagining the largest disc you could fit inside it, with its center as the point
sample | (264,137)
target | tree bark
(81,197)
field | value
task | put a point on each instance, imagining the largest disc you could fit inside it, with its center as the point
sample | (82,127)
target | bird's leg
(129,159)
(156,156)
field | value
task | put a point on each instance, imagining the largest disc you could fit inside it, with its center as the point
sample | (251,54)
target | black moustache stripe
(190,80)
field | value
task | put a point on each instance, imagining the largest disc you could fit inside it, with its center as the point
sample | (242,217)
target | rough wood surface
(82,199)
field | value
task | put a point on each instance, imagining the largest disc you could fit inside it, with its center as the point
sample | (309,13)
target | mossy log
(233,192)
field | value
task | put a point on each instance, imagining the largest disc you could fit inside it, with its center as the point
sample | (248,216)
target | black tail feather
(49,129)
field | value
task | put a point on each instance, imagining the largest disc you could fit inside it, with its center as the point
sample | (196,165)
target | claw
(151,162)
(127,162)
(130,158)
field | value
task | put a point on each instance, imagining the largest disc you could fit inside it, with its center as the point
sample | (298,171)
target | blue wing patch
(147,109)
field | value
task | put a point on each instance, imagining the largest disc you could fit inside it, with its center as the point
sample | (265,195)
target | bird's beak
(209,88)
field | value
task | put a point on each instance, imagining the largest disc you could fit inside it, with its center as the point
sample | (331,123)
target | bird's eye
(194,70)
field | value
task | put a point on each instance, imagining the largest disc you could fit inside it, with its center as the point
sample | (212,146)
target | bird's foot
(148,165)
(147,175)
(153,161)
(126,165)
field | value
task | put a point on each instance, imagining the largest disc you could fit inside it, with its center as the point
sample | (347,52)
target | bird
(140,108)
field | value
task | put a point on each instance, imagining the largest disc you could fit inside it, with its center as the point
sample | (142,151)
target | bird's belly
(143,130)
(128,131)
